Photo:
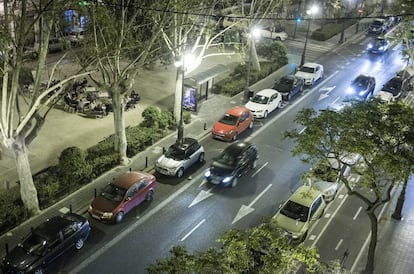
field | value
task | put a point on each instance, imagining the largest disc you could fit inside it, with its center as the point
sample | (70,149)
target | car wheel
(201,157)
(280,104)
(234,183)
(301,88)
(149,196)
(265,114)
(251,124)
(180,172)
(119,217)
(254,164)
(234,137)
(278,39)
(79,244)
(304,237)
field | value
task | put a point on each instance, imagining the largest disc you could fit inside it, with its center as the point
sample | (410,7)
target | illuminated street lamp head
(313,10)
(188,59)
(255,32)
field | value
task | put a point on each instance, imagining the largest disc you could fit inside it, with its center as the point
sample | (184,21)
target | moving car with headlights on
(310,72)
(122,195)
(179,157)
(362,86)
(232,123)
(264,102)
(378,46)
(46,243)
(298,214)
(289,86)
(232,163)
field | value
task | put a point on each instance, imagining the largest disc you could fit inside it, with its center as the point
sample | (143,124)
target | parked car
(385,96)
(378,46)
(378,26)
(179,157)
(397,86)
(122,195)
(234,161)
(232,123)
(310,72)
(297,215)
(47,242)
(289,86)
(264,102)
(362,86)
(273,33)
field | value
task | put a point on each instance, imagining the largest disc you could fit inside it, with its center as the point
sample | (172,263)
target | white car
(264,102)
(272,33)
(385,96)
(179,157)
(310,72)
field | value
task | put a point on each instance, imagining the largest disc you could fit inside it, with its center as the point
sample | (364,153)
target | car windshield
(360,82)
(229,119)
(393,86)
(377,23)
(228,159)
(34,244)
(113,193)
(285,84)
(295,211)
(175,153)
(307,69)
(260,99)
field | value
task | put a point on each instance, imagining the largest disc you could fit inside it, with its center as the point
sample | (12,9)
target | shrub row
(77,167)
(331,29)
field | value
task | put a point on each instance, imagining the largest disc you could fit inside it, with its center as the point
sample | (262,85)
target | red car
(122,195)
(235,121)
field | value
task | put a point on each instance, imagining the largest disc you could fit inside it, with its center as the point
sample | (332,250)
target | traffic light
(298,20)
(83,3)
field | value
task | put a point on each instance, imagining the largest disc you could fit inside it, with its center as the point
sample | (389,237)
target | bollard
(205,126)
(163,150)
(95,192)
(7,249)
(146,161)
(70,208)
(130,169)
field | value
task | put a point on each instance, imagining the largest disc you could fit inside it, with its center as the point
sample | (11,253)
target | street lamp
(253,34)
(312,11)
(182,65)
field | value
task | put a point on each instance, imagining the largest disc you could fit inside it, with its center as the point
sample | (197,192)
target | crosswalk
(314,49)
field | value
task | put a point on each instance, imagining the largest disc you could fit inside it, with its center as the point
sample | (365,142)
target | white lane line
(260,195)
(302,130)
(329,221)
(338,244)
(357,213)
(336,100)
(192,230)
(258,170)
(364,246)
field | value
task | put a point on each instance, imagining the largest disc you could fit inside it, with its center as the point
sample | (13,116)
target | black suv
(362,86)
(47,242)
(289,86)
(233,162)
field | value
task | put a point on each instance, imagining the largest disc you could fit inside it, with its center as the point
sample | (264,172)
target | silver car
(179,157)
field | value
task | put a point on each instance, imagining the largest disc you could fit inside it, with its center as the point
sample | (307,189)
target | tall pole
(302,61)
(180,133)
(246,92)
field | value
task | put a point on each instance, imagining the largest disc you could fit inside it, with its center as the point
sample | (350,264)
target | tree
(261,249)
(119,41)
(380,133)
(22,116)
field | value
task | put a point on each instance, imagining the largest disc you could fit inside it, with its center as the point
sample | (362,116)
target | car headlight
(207,173)
(295,235)
(230,132)
(107,215)
(227,179)
(381,48)
(350,90)
(369,46)
(329,192)
(362,92)
(90,208)
(259,110)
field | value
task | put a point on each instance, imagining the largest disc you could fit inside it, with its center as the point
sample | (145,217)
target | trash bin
(250,93)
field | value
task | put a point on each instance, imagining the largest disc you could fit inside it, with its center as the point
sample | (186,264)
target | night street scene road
(206,137)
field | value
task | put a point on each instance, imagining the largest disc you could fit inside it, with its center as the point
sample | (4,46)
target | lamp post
(254,33)
(181,67)
(310,12)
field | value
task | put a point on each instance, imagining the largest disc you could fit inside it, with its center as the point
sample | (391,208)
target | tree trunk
(369,267)
(28,192)
(255,57)
(120,141)
(178,95)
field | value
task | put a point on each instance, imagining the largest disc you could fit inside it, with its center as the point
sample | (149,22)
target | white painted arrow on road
(244,210)
(201,196)
(326,94)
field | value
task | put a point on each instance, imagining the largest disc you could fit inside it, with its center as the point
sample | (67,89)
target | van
(299,213)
